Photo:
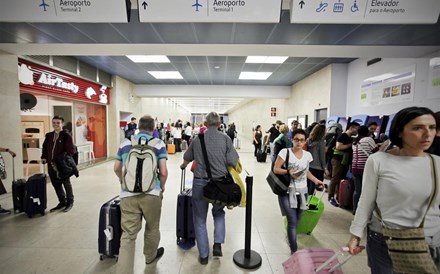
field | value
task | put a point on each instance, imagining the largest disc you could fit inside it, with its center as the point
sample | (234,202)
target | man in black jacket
(58,142)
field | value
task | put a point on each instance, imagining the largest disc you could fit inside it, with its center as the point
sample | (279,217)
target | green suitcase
(310,217)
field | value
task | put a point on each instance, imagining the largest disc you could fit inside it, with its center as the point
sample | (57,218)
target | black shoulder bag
(219,191)
(279,183)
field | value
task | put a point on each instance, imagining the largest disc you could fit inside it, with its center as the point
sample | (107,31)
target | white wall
(164,110)
(309,94)
(10,125)
(119,101)
(256,112)
(338,91)
(358,71)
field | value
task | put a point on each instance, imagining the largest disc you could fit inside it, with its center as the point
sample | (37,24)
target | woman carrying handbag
(400,197)
(293,202)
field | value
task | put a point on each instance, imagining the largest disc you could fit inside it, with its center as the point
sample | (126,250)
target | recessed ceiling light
(166,74)
(254,75)
(216,67)
(266,59)
(149,58)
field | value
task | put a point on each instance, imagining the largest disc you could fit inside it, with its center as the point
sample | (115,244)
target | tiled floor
(67,242)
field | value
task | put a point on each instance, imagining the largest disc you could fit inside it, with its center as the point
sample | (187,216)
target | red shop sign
(34,77)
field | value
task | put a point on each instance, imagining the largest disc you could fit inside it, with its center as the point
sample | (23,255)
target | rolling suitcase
(35,200)
(110,231)
(18,191)
(315,260)
(311,216)
(236,143)
(184,145)
(184,217)
(345,193)
(261,156)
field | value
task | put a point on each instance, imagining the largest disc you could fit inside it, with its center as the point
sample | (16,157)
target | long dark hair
(402,118)
(362,132)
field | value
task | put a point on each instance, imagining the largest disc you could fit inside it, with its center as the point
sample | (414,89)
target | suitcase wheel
(43,213)
(30,216)
(101,257)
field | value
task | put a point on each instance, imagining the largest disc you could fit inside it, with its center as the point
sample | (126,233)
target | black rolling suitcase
(261,156)
(18,191)
(35,200)
(184,217)
(110,231)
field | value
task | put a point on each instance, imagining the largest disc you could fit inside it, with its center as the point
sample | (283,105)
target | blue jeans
(293,215)
(357,189)
(200,212)
(378,259)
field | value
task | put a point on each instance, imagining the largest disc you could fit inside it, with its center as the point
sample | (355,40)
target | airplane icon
(197,5)
(44,5)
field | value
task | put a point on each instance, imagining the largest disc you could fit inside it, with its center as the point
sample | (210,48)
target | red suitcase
(345,193)
(315,260)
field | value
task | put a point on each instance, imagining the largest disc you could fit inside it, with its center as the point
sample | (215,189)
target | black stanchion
(247,258)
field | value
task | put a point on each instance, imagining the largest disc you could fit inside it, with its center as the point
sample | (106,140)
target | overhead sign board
(58,11)
(365,11)
(215,11)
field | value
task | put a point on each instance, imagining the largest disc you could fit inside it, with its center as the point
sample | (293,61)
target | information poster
(434,78)
(388,88)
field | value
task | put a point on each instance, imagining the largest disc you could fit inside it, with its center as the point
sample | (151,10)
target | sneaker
(203,261)
(217,250)
(159,254)
(68,207)
(4,211)
(333,202)
(58,207)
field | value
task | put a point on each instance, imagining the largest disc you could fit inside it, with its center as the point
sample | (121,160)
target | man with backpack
(142,171)
(341,159)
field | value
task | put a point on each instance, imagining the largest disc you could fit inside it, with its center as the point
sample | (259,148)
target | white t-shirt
(188,131)
(299,165)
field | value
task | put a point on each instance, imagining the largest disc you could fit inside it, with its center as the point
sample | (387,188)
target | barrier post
(247,258)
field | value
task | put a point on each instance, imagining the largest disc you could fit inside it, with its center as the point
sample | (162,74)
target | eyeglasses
(299,140)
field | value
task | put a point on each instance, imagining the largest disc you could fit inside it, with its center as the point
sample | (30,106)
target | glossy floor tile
(67,242)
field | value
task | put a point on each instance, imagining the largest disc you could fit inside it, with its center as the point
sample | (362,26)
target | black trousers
(63,188)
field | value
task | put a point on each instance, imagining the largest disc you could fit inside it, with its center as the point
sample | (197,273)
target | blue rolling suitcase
(184,217)
(35,200)
(110,231)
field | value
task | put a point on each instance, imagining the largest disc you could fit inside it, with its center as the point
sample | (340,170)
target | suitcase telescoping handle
(13,169)
(342,252)
(182,181)
(314,194)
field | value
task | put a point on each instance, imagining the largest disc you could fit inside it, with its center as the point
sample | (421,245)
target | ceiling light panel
(148,58)
(254,75)
(166,74)
(266,59)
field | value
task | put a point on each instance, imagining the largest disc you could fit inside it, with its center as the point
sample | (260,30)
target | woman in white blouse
(293,203)
(399,184)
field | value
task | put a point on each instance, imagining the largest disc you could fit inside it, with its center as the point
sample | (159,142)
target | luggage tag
(109,233)
(35,200)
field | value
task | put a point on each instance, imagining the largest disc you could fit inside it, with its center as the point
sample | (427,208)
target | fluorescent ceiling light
(266,59)
(149,58)
(254,75)
(166,74)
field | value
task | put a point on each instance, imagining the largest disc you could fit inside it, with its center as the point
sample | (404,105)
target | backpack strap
(135,142)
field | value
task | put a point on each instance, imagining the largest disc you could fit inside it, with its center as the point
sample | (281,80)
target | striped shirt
(359,156)
(161,153)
